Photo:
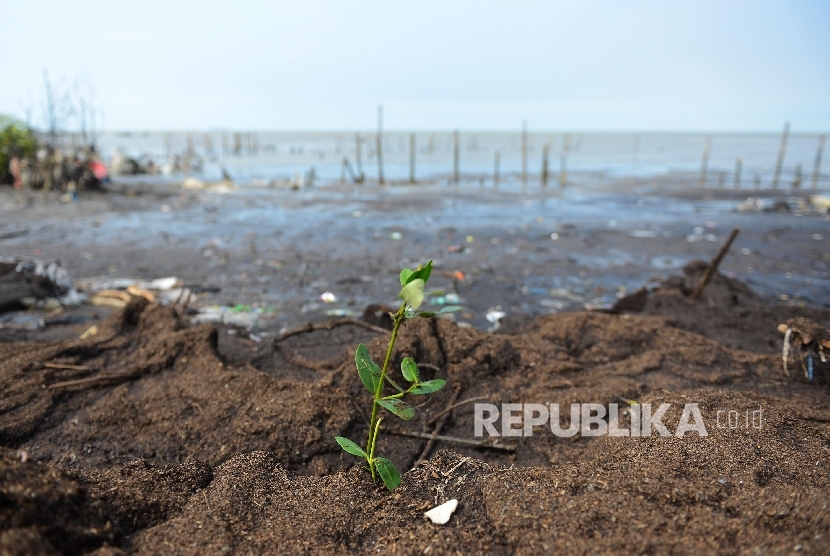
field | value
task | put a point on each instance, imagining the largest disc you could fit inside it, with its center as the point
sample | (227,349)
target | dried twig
(453,439)
(328,325)
(439,426)
(469,400)
(103,379)
(713,266)
(67,367)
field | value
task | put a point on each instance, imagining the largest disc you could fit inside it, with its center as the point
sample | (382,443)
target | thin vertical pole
(545,153)
(738,163)
(358,158)
(524,152)
(781,152)
(496,157)
(797,178)
(704,163)
(380,143)
(411,158)
(817,165)
(455,154)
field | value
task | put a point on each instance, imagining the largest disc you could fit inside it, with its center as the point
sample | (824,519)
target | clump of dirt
(727,311)
(155,437)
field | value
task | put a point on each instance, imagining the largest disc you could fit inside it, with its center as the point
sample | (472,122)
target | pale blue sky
(474,65)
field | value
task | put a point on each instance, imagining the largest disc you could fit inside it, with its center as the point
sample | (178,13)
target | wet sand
(279,250)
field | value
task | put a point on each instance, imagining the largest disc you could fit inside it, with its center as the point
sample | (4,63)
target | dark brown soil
(189,440)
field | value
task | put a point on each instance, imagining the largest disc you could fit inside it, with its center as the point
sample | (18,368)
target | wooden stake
(358,159)
(496,157)
(781,152)
(797,178)
(713,266)
(380,144)
(411,158)
(738,163)
(545,153)
(455,154)
(704,163)
(524,152)
(817,165)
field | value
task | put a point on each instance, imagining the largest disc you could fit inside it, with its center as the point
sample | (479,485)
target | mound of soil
(157,438)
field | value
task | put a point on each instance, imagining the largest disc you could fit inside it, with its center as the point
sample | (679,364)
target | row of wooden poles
(358,176)
(779,165)
(250,143)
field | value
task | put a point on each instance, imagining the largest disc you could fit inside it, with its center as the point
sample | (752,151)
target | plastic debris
(342,313)
(440,515)
(23,278)
(396,235)
(22,321)
(328,297)
(227,315)
(494,315)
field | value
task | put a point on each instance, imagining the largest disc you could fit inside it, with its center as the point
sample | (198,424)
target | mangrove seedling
(375,378)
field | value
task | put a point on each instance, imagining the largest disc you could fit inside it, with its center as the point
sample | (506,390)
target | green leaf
(388,472)
(399,408)
(408,275)
(413,293)
(427,387)
(409,369)
(351,447)
(367,369)
(422,273)
(443,311)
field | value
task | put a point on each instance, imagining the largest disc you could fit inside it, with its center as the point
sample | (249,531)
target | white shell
(441,514)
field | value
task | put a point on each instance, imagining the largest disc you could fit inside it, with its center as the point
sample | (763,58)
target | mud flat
(154,436)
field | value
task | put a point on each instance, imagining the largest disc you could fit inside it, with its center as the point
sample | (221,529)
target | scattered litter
(440,515)
(452,298)
(254,337)
(554,236)
(470,239)
(22,321)
(24,278)
(328,297)
(91,331)
(396,235)
(229,315)
(494,316)
(110,298)
(357,214)
(107,283)
(166,208)
(343,313)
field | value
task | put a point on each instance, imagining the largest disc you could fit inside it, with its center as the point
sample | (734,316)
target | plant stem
(375,441)
(374,422)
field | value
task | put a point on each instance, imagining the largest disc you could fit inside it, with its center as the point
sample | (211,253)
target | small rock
(441,514)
